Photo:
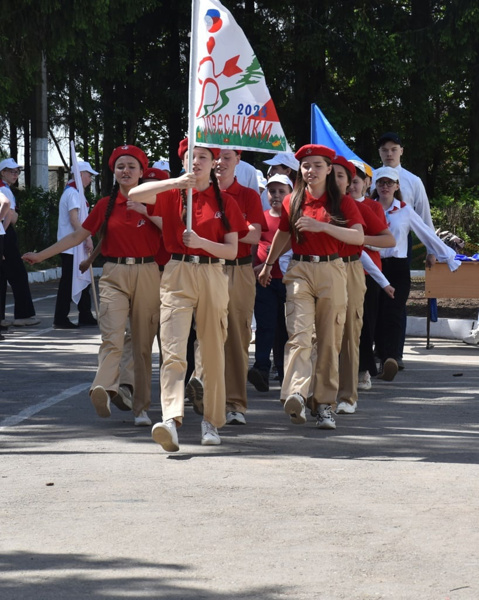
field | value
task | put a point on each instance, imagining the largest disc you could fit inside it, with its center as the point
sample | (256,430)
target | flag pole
(191,108)
(95,297)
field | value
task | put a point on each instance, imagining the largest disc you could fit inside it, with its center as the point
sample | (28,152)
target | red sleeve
(254,210)
(351,212)
(374,225)
(284,221)
(95,219)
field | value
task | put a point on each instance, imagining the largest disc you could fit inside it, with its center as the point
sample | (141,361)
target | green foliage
(38,217)
(459,213)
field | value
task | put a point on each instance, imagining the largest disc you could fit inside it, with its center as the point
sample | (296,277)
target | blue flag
(322,132)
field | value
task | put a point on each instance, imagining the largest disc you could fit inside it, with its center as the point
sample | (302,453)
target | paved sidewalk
(386,506)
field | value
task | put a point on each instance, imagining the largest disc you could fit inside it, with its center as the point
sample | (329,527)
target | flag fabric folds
(322,132)
(232,105)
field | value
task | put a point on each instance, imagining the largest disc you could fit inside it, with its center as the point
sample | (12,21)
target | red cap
(183,147)
(157,174)
(128,150)
(340,160)
(315,150)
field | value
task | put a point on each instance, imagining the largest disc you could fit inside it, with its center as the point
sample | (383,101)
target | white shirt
(6,191)
(371,269)
(69,200)
(403,219)
(247,176)
(413,193)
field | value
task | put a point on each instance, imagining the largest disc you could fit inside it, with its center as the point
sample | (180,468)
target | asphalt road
(386,506)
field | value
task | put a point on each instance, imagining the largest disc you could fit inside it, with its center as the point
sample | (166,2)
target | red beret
(157,174)
(340,160)
(183,147)
(128,150)
(315,150)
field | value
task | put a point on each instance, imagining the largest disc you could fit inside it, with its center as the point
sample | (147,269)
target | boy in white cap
(68,222)
(283,163)
(12,267)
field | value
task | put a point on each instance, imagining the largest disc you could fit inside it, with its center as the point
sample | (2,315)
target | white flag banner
(232,105)
(80,280)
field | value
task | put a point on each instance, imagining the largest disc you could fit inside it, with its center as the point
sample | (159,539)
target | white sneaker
(26,322)
(101,401)
(235,418)
(472,339)
(344,408)
(325,417)
(295,408)
(364,381)
(209,435)
(6,323)
(142,420)
(166,435)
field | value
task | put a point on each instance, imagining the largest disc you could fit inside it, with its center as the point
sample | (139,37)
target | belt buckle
(221,261)
(195,260)
(129,260)
(314,258)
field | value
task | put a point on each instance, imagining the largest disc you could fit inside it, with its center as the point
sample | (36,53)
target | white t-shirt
(246,175)
(7,192)
(69,200)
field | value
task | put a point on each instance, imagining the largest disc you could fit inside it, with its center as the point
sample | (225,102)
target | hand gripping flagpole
(191,107)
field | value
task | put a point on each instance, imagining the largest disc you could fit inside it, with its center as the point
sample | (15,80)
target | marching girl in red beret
(376,233)
(194,282)
(316,219)
(129,285)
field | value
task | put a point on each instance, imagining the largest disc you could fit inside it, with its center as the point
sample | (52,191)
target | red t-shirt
(320,243)
(265,244)
(250,205)
(379,212)
(128,233)
(373,226)
(206,221)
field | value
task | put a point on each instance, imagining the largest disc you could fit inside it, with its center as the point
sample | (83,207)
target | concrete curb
(449,329)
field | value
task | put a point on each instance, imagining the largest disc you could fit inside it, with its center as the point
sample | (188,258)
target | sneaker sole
(390,369)
(211,442)
(162,436)
(293,407)
(345,411)
(256,379)
(143,423)
(326,425)
(194,391)
(236,421)
(99,399)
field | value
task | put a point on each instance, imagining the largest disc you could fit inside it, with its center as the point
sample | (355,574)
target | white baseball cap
(83,165)
(387,172)
(281,178)
(262,181)
(162,164)
(8,163)
(284,158)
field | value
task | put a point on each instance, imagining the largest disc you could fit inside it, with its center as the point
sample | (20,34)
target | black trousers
(367,361)
(13,271)
(390,323)
(64,294)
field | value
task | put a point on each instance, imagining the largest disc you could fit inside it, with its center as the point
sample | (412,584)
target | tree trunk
(40,132)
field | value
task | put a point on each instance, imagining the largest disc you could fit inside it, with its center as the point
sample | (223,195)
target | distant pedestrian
(12,268)
(69,220)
